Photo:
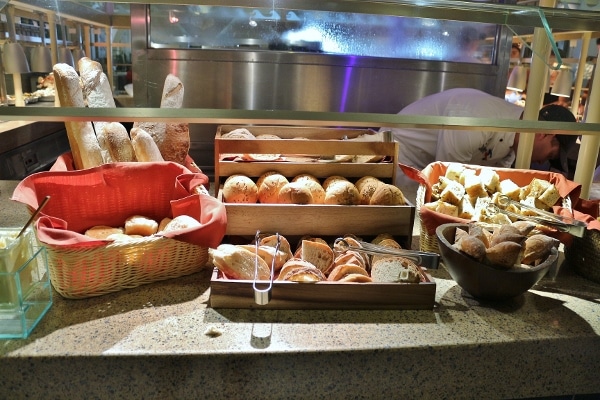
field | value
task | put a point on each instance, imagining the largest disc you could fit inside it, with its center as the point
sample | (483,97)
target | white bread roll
(181,222)
(332,179)
(387,195)
(97,92)
(118,142)
(103,232)
(239,189)
(145,148)
(82,139)
(140,225)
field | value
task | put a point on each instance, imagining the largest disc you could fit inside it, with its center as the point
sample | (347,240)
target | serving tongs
(560,223)
(263,295)
(422,258)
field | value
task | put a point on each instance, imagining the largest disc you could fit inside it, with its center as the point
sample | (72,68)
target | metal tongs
(560,223)
(422,258)
(263,296)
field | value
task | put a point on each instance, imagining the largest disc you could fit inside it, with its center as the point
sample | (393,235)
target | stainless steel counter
(153,342)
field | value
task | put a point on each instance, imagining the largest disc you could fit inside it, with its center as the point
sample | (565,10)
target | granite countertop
(163,340)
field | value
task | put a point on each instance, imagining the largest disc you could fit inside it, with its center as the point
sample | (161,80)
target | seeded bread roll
(145,148)
(239,189)
(82,139)
(342,192)
(294,193)
(118,142)
(269,187)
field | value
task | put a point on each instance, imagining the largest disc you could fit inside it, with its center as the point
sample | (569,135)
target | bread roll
(239,189)
(503,255)
(342,192)
(306,177)
(239,133)
(144,147)
(386,194)
(284,245)
(294,193)
(181,222)
(102,232)
(316,190)
(118,142)
(472,246)
(140,225)
(97,91)
(163,222)
(238,263)
(82,139)
(332,179)
(269,187)
(538,248)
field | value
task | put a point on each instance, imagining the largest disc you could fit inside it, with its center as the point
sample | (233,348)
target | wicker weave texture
(427,241)
(79,273)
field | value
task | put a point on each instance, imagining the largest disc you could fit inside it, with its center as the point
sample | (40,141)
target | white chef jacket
(419,147)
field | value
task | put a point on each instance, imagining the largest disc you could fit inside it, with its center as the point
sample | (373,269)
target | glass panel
(341,33)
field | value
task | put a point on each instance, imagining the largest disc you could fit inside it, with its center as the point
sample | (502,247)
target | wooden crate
(304,156)
(227,293)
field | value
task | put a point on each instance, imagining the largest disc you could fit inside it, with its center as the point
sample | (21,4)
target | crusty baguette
(98,94)
(118,142)
(144,147)
(82,139)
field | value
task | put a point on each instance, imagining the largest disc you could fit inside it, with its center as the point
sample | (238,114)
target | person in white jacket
(419,147)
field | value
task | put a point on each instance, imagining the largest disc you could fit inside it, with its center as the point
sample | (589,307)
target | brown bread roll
(503,255)
(387,195)
(294,193)
(82,139)
(144,147)
(538,248)
(269,187)
(118,142)
(342,192)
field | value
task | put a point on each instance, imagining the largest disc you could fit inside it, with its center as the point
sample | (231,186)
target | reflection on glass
(208,27)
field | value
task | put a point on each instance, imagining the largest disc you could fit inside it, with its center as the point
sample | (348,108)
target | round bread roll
(365,180)
(332,179)
(503,255)
(181,222)
(269,187)
(261,178)
(140,225)
(387,195)
(342,192)
(305,177)
(294,193)
(102,232)
(367,189)
(240,189)
(316,190)
(163,222)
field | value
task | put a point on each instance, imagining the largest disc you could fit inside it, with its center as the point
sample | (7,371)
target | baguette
(144,147)
(82,139)
(119,146)
(98,93)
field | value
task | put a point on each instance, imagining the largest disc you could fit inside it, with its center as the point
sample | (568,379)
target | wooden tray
(301,156)
(227,293)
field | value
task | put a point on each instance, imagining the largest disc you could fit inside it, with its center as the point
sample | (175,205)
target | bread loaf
(238,263)
(82,139)
(144,147)
(173,140)
(97,92)
(118,143)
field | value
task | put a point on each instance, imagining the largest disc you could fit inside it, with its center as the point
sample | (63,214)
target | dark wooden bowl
(483,281)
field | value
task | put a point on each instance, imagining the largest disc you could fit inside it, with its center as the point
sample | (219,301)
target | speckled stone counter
(153,342)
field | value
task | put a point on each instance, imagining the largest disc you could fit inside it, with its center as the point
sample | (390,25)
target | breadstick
(144,146)
(117,139)
(82,139)
(98,93)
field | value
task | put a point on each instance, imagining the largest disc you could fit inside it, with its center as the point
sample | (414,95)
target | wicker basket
(427,242)
(79,272)
(583,255)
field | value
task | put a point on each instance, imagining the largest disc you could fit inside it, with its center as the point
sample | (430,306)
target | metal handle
(263,296)
(421,258)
